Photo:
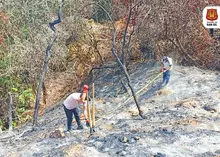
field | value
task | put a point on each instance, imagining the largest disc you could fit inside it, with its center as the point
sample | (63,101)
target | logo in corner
(210,17)
(212,14)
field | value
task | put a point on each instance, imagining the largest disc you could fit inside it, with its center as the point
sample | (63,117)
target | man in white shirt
(71,106)
(166,67)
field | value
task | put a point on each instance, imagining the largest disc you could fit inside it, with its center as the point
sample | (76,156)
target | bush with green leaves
(24,99)
(23,96)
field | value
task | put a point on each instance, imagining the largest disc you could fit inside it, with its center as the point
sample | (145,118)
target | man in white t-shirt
(166,67)
(71,106)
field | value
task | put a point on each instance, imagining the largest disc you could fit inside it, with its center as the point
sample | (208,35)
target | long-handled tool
(89,113)
(93,107)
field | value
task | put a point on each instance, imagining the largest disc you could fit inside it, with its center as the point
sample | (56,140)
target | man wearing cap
(71,106)
(166,67)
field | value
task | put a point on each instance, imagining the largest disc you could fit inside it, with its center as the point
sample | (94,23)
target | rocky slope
(182,119)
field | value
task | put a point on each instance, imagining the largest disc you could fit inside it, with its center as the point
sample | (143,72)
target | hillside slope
(182,119)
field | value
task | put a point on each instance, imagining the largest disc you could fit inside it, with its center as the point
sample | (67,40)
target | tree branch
(119,62)
(125,34)
(46,61)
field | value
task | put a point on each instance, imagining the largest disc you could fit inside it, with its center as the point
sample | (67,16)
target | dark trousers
(69,116)
(166,76)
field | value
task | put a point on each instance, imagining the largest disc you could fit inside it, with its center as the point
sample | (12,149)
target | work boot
(80,127)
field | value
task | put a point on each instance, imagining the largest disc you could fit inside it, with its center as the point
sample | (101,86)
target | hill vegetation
(155,28)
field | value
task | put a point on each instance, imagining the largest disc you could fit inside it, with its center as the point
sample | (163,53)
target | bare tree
(46,61)
(114,52)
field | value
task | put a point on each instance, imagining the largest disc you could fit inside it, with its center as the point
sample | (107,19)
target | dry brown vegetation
(171,27)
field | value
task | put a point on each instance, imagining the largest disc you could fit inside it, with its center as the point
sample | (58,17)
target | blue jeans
(69,116)
(166,76)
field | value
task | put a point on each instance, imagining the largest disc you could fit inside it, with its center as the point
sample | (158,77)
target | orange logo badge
(212,14)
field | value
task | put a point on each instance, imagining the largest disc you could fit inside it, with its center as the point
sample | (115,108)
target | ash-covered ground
(181,119)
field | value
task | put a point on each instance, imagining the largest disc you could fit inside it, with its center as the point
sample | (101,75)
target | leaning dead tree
(121,63)
(114,52)
(46,61)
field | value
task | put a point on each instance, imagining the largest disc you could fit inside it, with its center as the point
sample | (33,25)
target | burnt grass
(181,119)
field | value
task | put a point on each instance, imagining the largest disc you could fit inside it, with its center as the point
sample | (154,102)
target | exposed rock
(134,112)
(124,140)
(58,133)
(165,92)
(137,138)
(210,109)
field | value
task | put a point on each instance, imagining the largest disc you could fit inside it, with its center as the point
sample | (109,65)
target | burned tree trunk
(121,63)
(46,61)
(129,83)
(123,67)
